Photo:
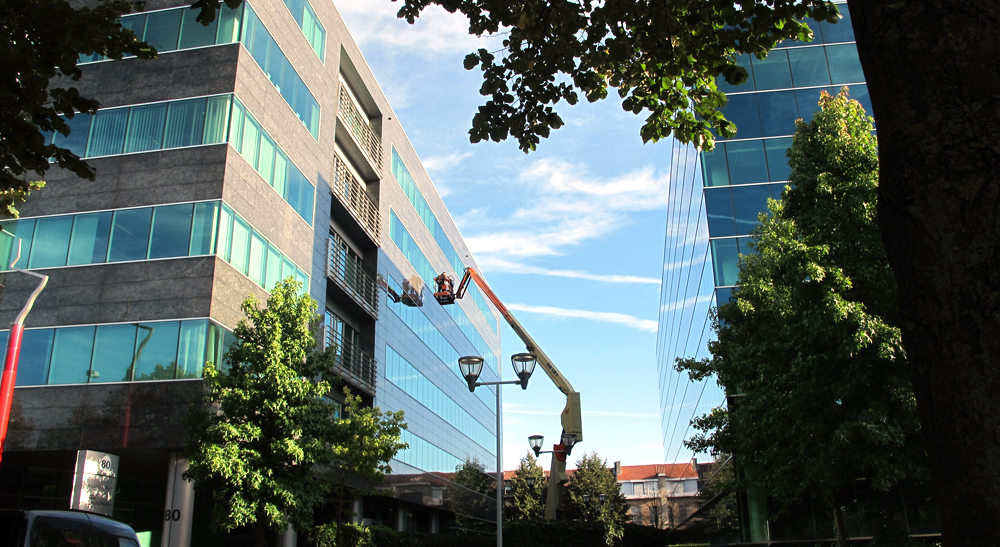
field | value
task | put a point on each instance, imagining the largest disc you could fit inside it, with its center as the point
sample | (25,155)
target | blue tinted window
(145,127)
(171,231)
(808,101)
(185,123)
(51,242)
(130,235)
(163,29)
(195,34)
(114,353)
(714,166)
(191,348)
(91,233)
(107,133)
(778,113)
(156,351)
(725,261)
(840,31)
(742,111)
(23,231)
(71,351)
(742,60)
(777,161)
(79,131)
(860,94)
(203,228)
(723,295)
(772,72)
(33,364)
(747,163)
(777,190)
(719,207)
(808,66)
(845,67)
(748,202)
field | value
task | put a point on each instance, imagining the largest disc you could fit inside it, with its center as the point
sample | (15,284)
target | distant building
(660,495)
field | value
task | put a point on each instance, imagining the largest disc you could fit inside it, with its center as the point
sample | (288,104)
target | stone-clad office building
(254,149)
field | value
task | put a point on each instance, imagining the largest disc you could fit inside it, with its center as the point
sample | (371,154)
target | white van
(41,528)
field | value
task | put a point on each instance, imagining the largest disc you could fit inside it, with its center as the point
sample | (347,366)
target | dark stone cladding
(101,416)
(108,293)
(134,180)
(172,75)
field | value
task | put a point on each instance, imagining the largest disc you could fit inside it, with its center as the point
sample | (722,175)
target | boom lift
(572,421)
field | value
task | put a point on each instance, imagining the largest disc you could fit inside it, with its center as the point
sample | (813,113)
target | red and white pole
(14,352)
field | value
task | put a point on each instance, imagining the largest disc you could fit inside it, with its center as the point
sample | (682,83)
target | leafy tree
(593,478)
(723,517)
(810,348)
(258,452)
(42,41)
(935,101)
(367,439)
(527,502)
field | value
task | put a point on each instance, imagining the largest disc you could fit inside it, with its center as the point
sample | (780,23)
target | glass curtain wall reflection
(123,352)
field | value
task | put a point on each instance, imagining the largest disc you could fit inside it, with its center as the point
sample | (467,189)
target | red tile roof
(642,472)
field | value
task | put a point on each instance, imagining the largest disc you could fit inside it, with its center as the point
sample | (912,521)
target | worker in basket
(445,289)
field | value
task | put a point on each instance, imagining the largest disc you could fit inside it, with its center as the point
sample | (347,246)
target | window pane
(163,29)
(33,364)
(89,244)
(725,260)
(130,235)
(195,34)
(236,125)
(261,39)
(191,349)
(216,114)
(156,353)
(145,128)
(171,231)
(845,67)
(257,251)
(748,202)
(808,102)
(306,209)
(772,72)
(280,178)
(23,230)
(185,122)
(722,296)
(714,166)
(841,31)
(241,245)
(288,269)
(114,352)
(203,229)
(229,25)
(719,206)
(288,85)
(135,23)
(214,345)
(744,61)
(107,134)
(224,248)
(860,93)
(265,163)
(808,66)
(301,277)
(276,66)
(273,268)
(777,163)
(295,182)
(778,113)
(71,352)
(742,110)
(79,132)
(51,242)
(747,163)
(248,148)
(296,7)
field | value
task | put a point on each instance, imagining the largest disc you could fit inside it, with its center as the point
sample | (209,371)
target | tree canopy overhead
(661,57)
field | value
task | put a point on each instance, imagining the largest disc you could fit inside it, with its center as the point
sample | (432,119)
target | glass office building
(715,199)
(254,149)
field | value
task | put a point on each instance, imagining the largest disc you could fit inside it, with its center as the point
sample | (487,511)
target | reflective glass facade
(313,30)
(119,352)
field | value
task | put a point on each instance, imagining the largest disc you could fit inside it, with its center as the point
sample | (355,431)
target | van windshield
(73,533)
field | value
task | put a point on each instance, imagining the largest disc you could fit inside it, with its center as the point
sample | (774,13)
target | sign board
(94,482)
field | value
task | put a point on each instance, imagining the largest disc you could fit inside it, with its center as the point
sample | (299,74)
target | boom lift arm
(572,422)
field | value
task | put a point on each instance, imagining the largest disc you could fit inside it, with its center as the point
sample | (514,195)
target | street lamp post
(471,367)
(559,452)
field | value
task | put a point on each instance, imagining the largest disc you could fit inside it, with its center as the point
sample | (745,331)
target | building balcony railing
(352,364)
(351,278)
(358,123)
(351,193)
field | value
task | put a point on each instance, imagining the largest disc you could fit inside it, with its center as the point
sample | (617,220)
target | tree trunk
(934,79)
(838,524)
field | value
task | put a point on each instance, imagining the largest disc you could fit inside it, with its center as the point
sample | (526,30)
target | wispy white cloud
(435,32)
(495,264)
(567,206)
(439,163)
(688,302)
(630,321)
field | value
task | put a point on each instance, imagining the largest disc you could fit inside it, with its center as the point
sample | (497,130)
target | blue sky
(570,237)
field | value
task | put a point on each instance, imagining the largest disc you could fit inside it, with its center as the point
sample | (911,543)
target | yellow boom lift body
(572,423)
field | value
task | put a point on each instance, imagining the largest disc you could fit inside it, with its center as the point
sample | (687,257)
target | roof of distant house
(684,470)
